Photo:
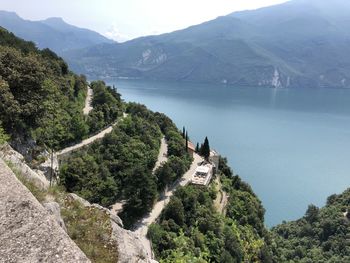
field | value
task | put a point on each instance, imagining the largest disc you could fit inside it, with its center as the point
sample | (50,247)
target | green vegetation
(190,229)
(90,228)
(119,167)
(39,97)
(3,136)
(205,149)
(107,106)
(322,235)
(107,169)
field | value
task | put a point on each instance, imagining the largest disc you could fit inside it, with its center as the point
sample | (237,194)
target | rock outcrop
(7,153)
(28,233)
(54,209)
(130,246)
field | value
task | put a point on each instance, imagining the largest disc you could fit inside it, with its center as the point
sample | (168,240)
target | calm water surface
(291,145)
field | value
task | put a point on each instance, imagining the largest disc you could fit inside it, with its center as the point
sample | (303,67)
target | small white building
(202,175)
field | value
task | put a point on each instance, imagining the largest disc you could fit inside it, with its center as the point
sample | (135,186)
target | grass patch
(91,230)
(39,194)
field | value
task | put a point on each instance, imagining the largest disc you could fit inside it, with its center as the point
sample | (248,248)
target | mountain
(296,44)
(41,105)
(53,33)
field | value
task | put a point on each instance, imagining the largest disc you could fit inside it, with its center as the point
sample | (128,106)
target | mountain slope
(51,33)
(322,235)
(296,44)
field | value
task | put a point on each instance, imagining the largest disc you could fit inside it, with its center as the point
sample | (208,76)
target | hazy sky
(126,19)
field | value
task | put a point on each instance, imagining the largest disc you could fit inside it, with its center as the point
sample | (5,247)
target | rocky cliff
(35,232)
(28,233)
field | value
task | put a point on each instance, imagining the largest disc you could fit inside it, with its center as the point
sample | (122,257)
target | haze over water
(291,145)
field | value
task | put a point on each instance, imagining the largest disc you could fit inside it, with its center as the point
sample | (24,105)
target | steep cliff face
(27,232)
(30,231)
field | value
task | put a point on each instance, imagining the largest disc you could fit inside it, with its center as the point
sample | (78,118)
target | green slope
(322,235)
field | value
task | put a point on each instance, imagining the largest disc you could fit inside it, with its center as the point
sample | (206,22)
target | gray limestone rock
(27,232)
(7,153)
(54,209)
(75,197)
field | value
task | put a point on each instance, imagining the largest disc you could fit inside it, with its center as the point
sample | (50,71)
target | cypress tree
(186,141)
(197,148)
(183,132)
(206,149)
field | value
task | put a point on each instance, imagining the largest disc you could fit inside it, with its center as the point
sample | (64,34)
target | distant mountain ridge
(53,33)
(296,44)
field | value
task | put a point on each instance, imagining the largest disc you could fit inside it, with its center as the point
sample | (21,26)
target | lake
(291,145)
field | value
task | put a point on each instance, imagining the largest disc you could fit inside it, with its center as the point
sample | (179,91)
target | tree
(186,141)
(3,136)
(175,210)
(311,214)
(197,148)
(183,132)
(205,149)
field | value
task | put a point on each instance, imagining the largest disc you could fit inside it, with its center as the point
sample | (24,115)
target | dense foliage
(107,106)
(322,235)
(119,167)
(109,170)
(3,136)
(38,95)
(191,230)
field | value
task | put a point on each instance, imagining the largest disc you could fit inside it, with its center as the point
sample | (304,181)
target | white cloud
(114,33)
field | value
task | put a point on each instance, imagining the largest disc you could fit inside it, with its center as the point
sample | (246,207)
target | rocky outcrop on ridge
(28,233)
(130,247)
(7,153)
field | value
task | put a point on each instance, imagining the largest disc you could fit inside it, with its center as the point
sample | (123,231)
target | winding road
(87,141)
(142,225)
(91,139)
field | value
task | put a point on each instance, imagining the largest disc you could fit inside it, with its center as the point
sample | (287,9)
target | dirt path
(221,200)
(162,156)
(142,226)
(90,140)
(88,106)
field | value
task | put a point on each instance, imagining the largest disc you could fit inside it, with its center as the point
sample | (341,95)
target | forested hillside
(41,99)
(190,229)
(38,91)
(322,235)
(119,167)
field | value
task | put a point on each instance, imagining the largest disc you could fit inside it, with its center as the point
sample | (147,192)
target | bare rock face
(54,209)
(130,248)
(82,201)
(27,232)
(37,177)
